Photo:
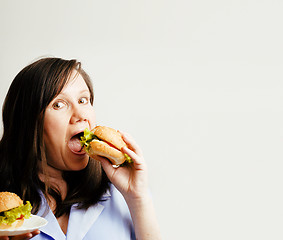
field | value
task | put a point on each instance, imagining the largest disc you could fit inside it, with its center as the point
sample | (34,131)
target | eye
(58,105)
(83,100)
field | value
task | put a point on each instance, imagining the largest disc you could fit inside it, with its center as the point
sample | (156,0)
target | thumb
(107,167)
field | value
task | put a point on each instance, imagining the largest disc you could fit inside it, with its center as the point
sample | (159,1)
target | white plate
(29,225)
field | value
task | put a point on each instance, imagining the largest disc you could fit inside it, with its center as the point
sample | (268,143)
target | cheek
(54,139)
(92,118)
(51,127)
(54,128)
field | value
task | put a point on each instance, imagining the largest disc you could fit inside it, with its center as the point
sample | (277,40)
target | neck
(53,177)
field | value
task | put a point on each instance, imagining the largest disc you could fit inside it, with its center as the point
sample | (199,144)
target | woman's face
(66,116)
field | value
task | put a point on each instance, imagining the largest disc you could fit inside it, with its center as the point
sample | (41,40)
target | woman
(48,104)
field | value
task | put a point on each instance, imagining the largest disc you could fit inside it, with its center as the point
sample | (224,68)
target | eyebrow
(66,95)
(83,91)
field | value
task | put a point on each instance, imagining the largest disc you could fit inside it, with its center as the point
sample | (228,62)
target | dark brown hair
(22,146)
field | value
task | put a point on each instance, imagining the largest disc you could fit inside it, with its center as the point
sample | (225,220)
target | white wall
(198,83)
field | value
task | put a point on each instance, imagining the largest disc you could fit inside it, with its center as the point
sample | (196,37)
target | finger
(26,235)
(4,238)
(129,140)
(108,168)
(138,160)
(35,232)
(22,237)
(101,159)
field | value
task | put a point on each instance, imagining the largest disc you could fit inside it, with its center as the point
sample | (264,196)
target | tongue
(75,145)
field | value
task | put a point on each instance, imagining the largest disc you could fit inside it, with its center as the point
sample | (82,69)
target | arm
(144,219)
(131,181)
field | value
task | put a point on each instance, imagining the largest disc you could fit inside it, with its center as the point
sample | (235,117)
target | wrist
(138,201)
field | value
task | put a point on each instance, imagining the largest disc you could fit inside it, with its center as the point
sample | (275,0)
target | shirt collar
(52,228)
(80,220)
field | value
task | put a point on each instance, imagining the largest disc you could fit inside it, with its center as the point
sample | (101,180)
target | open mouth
(74,144)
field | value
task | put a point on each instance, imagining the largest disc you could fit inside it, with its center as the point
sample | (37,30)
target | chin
(80,164)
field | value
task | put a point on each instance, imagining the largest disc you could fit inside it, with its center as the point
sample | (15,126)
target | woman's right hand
(25,236)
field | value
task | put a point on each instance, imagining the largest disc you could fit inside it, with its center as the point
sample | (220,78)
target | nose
(78,115)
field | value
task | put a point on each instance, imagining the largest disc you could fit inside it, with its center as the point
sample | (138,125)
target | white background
(198,83)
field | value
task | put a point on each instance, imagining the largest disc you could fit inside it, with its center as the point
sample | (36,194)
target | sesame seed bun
(9,200)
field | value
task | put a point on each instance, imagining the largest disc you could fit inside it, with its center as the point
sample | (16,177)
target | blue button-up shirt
(109,219)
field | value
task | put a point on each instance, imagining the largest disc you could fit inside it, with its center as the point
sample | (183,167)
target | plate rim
(21,230)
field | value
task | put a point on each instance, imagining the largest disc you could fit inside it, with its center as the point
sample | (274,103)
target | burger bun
(9,200)
(110,145)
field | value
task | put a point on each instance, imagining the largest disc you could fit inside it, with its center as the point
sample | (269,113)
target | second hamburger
(13,211)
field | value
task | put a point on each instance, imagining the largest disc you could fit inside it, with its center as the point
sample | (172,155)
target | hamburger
(13,211)
(105,142)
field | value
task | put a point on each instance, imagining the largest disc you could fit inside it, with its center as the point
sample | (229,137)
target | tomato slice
(21,217)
